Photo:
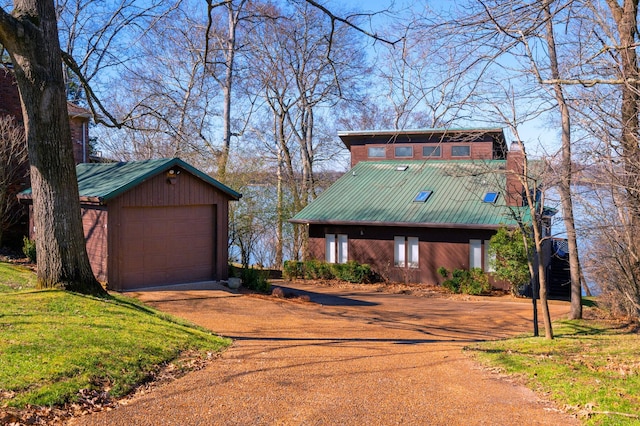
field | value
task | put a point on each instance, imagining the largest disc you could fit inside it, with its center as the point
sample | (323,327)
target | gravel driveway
(354,357)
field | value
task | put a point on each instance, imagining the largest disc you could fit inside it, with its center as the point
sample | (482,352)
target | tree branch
(345,21)
(91,96)
(591,82)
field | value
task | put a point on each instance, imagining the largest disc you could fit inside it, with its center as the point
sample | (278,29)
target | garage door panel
(167,245)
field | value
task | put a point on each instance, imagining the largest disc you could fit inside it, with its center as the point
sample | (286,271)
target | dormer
(422,144)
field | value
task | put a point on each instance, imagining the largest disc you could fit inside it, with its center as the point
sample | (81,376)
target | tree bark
(30,35)
(625,17)
(566,174)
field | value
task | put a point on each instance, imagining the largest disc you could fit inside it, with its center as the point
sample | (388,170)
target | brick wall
(9,96)
(10,105)
(478,151)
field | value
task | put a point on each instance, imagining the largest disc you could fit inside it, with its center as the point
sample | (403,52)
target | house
(78,117)
(152,223)
(15,224)
(416,201)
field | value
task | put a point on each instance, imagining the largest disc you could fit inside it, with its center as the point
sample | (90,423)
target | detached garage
(153,223)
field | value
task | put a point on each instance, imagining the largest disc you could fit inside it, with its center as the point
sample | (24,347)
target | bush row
(351,271)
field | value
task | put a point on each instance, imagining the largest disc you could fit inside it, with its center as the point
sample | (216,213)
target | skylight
(402,168)
(422,196)
(490,197)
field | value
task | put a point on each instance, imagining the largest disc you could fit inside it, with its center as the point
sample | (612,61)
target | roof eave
(166,166)
(447,225)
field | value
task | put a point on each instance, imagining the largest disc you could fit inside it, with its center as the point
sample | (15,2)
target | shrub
(255,279)
(352,272)
(443,272)
(293,269)
(464,281)
(316,270)
(475,282)
(29,249)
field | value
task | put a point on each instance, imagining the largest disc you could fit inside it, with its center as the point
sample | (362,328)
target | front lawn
(54,344)
(591,368)
(15,278)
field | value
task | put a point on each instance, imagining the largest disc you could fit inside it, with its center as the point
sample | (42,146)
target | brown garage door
(166,245)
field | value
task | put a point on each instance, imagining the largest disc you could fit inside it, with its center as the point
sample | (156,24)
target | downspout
(84,141)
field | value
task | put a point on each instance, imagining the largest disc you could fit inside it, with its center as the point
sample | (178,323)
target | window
(406,252)
(336,248)
(475,254)
(490,197)
(488,257)
(412,252)
(431,151)
(403,151)
(461,151)
(377,152)
(422,196)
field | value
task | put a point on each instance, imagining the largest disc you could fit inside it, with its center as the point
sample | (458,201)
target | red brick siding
(479,150)
(77,128)
(94,222)
(374,246)
(9,96)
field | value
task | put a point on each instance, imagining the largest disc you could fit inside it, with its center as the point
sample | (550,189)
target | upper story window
(376,152)
(404,151)
(461,151)
(431,151)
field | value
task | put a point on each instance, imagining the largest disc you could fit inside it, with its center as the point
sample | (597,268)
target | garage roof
(100,182)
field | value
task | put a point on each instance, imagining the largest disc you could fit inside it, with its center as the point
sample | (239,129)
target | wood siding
(163,191)
(94,222)
(375,246)
(478,150)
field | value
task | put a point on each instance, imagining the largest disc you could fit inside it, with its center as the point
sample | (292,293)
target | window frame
(406,252)
(475,254)
(382,148)
(468,147)
(434,148)
(493,199)
(336,248)
(395,151)
(423,196)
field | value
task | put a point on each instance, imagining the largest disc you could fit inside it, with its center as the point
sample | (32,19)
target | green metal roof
(104,181)
(379,193)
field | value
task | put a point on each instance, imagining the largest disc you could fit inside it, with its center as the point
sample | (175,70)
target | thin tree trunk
(32,42)
(280,212)
(566,174)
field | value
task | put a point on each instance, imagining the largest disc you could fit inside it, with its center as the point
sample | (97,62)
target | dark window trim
(437,148)
(461,146)
(384,151)
(395,148)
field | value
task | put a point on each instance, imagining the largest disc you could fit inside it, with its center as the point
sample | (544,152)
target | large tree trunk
(626,22)
(31,38)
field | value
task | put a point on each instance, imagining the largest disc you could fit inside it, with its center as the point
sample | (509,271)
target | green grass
(55,343)
(591,368)
(15,278)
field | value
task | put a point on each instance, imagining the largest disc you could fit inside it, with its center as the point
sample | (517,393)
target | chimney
(514,171)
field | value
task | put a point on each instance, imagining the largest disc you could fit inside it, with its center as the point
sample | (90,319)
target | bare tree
(301,75)
(13,171)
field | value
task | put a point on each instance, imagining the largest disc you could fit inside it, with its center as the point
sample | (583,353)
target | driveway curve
(349,357)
